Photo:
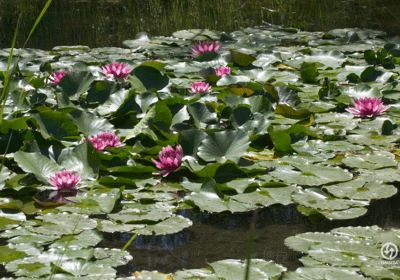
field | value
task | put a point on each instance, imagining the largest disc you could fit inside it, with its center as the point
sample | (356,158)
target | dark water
(109,22)
(221,236)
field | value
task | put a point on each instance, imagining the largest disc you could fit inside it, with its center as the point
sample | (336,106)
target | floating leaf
(375,160)
(311,175)
(168,226)
(7,254)
(151,77)
(223,146)
(41,166)
(56,124)
(76,83)
(309,72)
(242,57)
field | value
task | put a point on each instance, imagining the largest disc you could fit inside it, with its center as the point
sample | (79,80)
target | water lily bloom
(367,107)
(65,180)
(117,70)
(56,77)
(205,47)
(222,71)
(102,140)
(200,87)
(170,159)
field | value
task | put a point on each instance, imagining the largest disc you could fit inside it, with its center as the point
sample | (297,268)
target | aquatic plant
(8,73)
(102,140)
(117,70)
(222,71)
(169,159)
(65,180)
(368,107)
(56,77)
(274,132)
(205,47)
(200,87)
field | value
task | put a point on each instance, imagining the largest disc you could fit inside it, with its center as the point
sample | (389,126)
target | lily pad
(223,146)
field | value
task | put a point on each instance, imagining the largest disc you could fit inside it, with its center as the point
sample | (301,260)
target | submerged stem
(127,244)
(250,243)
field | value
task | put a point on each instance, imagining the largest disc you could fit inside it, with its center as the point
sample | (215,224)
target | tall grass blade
(7,73)
(37,21)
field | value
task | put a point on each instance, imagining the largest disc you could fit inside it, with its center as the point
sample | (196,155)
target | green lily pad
(372,161)
(322,273)
(168,226)
(311,175)
(7,254)
(346,252)
(35,163)
(223,146)
(235,269)
(76,83)
(316,199)
(362,189)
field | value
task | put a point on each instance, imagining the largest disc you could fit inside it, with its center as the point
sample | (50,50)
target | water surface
(215,237)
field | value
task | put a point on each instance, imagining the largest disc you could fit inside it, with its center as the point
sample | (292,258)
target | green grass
(9,72)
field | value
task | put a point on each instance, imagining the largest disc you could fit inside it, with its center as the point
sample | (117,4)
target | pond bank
(98,23)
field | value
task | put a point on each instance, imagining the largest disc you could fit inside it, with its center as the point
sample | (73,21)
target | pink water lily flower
(56,77)
(368,107)
(65,180)
(205,47)
(222,71)
(102,140)
(200,87)
(117,70)
(170,159)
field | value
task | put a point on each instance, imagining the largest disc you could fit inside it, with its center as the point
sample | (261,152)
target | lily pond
(262,153)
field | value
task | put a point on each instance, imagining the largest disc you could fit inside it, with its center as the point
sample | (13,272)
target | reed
(108,23)
(8,74)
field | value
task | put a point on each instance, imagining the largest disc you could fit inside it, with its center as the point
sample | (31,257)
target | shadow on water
(220,236)
(110,22)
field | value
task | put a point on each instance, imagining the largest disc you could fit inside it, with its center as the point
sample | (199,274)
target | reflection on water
(221,236)
(53,198)
(109,22)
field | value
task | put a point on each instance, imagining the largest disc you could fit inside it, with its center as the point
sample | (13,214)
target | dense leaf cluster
(274,131)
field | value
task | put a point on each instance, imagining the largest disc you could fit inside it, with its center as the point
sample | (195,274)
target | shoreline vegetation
(98,23)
